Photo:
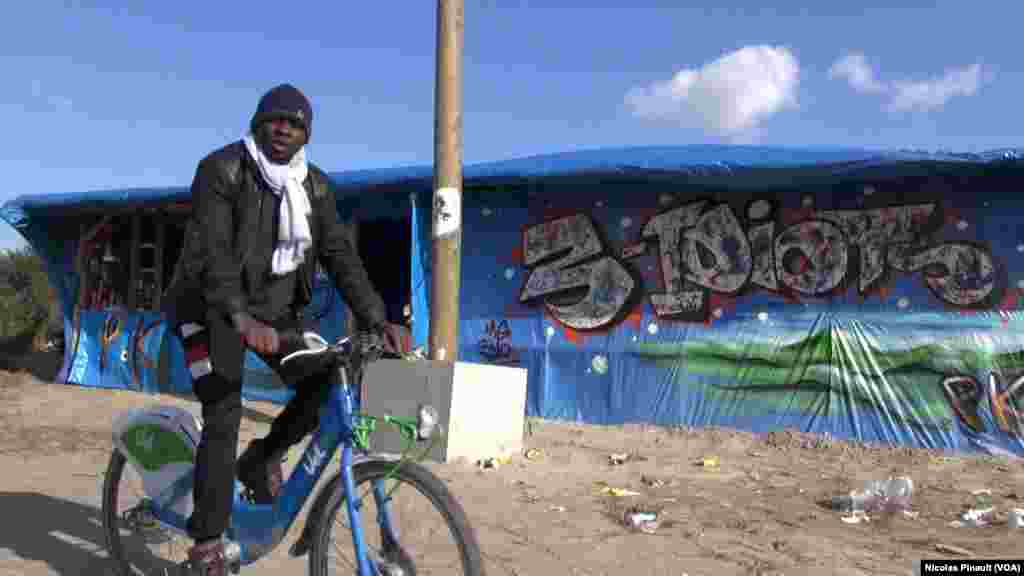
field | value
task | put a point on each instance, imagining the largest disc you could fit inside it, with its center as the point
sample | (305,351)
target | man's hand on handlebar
(390,338)
(257,335)
(266,340)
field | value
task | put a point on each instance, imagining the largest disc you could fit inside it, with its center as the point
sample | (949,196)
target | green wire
(367,424)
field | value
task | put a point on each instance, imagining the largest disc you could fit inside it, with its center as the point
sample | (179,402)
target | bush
(25,307)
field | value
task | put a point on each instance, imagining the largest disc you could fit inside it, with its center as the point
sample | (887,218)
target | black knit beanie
(284,101)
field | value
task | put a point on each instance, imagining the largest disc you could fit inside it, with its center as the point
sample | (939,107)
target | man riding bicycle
(262,218)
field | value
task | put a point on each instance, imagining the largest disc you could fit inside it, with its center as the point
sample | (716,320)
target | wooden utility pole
(447,206)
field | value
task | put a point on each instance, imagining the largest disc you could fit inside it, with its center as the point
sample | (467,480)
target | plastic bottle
(889,495)
(898,493)
(1016,521)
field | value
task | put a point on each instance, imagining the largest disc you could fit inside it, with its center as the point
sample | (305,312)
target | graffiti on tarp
(581,284)
(140,360)
(704,248)
(80,353)
(1005,395)
(109,336)
(496,342)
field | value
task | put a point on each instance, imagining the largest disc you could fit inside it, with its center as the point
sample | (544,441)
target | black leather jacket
(228,245)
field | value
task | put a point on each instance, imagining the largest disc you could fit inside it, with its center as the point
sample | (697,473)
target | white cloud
(854,69)
(728,97)
(934,93)
(908,95)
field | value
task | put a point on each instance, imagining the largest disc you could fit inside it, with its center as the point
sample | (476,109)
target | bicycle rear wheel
(416,494)
(136,542)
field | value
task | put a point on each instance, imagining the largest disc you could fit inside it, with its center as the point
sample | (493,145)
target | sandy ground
(757,513)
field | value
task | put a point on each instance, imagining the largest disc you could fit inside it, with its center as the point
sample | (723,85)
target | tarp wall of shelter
(875,299)
(127,349)
(872,296)
(881,304)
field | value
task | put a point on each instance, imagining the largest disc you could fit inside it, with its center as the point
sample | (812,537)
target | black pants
(215,356)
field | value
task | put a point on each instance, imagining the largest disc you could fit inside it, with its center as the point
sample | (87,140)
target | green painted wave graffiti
(829,370)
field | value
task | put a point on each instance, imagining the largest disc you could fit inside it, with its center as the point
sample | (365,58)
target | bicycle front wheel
(435,539)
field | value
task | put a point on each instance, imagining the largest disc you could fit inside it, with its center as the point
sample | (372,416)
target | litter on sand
(533,454)
(856,517)
(955,550)
(709,462)
(653,482)
(607,490)
(494,462)
(620,458)
(646,522)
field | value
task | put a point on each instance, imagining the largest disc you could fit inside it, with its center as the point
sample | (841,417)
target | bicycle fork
(353,503)
(352,507)
(369,566)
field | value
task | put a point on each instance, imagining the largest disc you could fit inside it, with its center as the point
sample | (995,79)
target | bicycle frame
(258,529)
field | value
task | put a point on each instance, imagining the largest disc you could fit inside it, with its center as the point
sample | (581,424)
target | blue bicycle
(159,443)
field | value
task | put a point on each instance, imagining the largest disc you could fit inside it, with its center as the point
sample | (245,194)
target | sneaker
(211,558)
(261,476)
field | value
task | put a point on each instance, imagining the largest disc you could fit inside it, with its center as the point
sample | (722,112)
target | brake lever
(314,340)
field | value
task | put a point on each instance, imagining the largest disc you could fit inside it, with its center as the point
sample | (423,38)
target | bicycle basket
(160,443)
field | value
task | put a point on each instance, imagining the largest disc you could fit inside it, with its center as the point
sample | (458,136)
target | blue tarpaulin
(872,295)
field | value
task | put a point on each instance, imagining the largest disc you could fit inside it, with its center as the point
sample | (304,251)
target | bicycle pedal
(148,524)
(146,521)
(141,518)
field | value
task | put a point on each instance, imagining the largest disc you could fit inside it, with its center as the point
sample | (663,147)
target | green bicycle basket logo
(155,447)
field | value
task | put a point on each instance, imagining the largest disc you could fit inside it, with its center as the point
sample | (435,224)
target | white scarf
(294,236)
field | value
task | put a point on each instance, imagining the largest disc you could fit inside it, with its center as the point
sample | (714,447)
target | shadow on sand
(66,536)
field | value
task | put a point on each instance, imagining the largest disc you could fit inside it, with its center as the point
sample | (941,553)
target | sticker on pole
(447,212)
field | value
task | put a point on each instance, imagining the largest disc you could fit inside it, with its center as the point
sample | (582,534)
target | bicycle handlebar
(358,349)
(354,352)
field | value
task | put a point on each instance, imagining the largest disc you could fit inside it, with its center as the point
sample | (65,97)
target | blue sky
(104,95)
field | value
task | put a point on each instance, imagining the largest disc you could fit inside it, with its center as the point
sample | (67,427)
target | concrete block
(481,407)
